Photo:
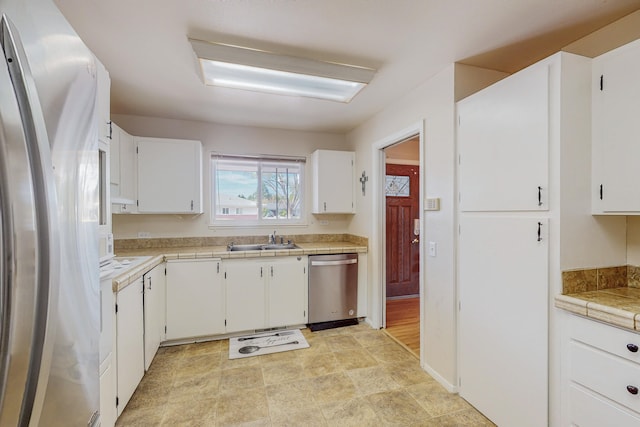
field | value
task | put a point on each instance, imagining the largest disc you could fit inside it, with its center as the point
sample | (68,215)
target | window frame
(223,220)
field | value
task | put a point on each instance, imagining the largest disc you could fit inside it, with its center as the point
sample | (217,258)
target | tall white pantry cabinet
(524,147)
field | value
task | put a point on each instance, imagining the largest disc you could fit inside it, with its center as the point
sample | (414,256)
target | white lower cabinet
(130,341)
(154,312)
(603,374)
(265,294)
(195,298)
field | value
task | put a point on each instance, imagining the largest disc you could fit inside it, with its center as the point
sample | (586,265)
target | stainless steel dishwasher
(333,291)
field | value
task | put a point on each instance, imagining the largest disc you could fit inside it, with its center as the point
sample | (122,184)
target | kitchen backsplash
(594,279)
(175,242)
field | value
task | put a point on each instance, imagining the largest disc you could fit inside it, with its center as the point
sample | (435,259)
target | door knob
(414,241)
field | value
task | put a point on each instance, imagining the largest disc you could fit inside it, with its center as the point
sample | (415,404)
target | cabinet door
(103,102)
(108,411)
(245,290)
(503,348)
(195,298)
(114,161)
(127,167)
(287,296)
(169,176)
(503,144)
(333,181)
(130,341)
(154,312)
(616,126)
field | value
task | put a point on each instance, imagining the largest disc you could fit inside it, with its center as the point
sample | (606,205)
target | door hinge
(225,274)
(136,150)
(116,308)
(600,191)
(218,268)
(601,82)
(137,202)
(117,401)
(165,329)
(165,271)
(225,322)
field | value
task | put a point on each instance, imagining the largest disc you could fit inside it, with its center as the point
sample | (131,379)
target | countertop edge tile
(611,315)
(574,305)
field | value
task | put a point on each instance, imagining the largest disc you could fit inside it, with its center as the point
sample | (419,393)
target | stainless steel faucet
(272,238)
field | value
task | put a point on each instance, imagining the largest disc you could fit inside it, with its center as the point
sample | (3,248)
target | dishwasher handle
(338,262)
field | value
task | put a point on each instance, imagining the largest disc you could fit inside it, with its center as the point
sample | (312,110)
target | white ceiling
(143,44)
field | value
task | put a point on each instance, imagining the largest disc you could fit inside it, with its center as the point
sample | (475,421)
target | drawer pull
(632,348)
(632,389)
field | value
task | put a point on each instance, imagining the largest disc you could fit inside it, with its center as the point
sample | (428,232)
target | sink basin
(261,247)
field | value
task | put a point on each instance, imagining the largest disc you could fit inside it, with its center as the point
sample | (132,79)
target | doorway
(402,236)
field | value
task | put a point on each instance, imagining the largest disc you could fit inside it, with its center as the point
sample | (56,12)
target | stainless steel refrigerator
(49,204)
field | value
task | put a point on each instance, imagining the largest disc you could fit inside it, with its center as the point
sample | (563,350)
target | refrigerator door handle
(44,234)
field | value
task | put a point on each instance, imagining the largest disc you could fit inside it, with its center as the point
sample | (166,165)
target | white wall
(433,103)
(232,140)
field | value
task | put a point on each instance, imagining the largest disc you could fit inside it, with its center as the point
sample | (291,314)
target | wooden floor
(403,322)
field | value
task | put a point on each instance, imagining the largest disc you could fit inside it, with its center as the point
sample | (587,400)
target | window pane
(236,190)
(281,196)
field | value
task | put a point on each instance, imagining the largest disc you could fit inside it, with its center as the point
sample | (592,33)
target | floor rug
(266,343)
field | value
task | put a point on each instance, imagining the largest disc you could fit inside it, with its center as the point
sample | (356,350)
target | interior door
(403,210)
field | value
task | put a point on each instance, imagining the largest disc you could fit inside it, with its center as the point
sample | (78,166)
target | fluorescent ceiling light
(257,70)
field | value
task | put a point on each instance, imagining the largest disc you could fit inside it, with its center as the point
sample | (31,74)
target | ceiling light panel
(256,70)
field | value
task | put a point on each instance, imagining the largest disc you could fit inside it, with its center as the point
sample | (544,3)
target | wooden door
(403,250)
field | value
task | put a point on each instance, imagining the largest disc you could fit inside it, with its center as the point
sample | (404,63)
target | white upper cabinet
(503,145)
(103,102)
(123,171)
(169,175)
(616,131)
(333,182)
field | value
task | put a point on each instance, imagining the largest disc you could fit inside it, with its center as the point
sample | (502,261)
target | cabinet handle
(110,129)
(632,389)
(632,348)
(600,191)
(539,232)
(271,271)
(260,271)
(539,196)
(149,283)
(192,205)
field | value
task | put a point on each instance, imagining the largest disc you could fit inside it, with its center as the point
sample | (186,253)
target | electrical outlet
(144,234)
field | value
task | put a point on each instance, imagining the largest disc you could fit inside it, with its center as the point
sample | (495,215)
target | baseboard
(443,382)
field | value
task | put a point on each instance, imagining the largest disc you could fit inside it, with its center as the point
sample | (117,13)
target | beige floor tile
(247,406)
(391,353)
(464,418)
(342,343)
(200,412)
(316,365)
(311,417)
(331,388)
(328,384)
(371,338)
(242,378)
(397,408)
(354,359)
(281,372)
(290,397)
(186,389)
(372,380)
(436,400)
(350,413)
(408,373)
(141,417)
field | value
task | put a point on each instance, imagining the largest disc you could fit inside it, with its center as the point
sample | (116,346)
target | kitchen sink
(261,247)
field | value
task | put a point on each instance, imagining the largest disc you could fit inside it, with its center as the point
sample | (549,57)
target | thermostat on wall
(433,204)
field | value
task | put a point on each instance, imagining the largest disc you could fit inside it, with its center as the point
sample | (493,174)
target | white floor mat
(266,343)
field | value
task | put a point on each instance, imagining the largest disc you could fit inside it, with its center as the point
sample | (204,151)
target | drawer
(605,373)
(605,337)
(587,409)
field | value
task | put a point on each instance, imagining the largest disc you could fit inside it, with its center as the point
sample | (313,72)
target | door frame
(378,232)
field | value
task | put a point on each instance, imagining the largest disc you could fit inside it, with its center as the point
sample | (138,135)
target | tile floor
(352,376)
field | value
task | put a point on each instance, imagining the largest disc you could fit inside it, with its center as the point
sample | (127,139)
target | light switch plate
(433,249)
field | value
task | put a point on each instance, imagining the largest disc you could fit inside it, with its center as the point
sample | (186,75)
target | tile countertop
(159,255)
(616,306)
